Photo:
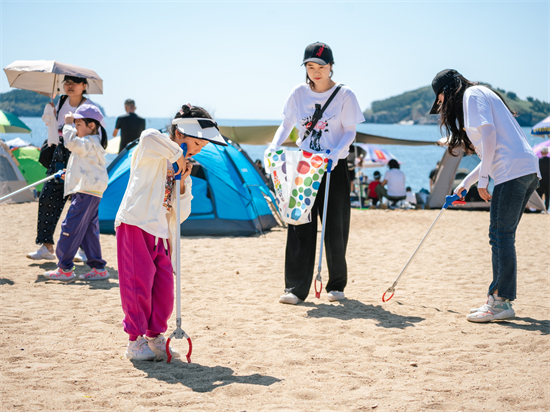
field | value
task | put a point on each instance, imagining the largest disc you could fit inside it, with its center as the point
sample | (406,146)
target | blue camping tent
(229,195)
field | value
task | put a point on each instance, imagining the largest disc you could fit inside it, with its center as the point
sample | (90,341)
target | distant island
(27,103)
(413,108)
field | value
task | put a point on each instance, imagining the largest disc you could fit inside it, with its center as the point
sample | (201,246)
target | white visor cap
(199,128)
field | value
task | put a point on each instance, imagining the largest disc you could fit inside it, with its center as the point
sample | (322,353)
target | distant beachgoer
(479,121)
(129,124)
(52,200)
(335,131)
(544,166)
(395,179)
(85,181)
(146,220)
(371,190)
(410,196)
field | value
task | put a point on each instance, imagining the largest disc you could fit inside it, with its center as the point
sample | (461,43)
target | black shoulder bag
(46,152)
(319,112)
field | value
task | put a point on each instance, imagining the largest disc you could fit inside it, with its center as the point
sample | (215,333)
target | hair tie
(181,112)
(189,105)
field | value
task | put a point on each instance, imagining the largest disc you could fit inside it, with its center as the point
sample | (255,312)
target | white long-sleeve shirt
(86,170)
(142,204)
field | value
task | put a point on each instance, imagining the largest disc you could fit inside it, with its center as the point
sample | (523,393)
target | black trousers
(50,206)
(302,239)
(544,189)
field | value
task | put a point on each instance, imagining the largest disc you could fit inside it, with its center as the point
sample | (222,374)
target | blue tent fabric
(228,194)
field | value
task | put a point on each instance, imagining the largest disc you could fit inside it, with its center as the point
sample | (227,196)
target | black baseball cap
(319,53)
(440,80)
(75,79)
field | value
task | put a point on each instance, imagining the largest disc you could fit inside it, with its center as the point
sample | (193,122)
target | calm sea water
(417,162)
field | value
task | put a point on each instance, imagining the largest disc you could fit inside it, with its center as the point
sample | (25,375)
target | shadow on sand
(353,309)
(80,269)
(197,377)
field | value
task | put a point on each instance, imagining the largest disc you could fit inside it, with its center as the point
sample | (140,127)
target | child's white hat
(199,128)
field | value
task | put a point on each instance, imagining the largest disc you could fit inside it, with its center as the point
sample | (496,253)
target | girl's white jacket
(86,170)
(142,204)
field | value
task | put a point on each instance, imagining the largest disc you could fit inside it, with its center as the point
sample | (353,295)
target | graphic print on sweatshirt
(321,127)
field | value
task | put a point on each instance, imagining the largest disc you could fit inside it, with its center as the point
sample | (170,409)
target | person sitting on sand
(371,190)
(146,220)
(479,121)
(395,179)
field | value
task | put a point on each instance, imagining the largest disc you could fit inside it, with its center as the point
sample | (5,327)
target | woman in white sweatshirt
(479,121)
(146,227)
(85,180)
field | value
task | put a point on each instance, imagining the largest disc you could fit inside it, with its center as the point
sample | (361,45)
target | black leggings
(50,206)
(302,239)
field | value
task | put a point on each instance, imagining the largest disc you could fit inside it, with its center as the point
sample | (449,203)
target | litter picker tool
(449,201)
(325,203)
(54,176)
(179,333)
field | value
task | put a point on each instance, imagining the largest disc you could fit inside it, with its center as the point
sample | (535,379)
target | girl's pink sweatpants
(146,282)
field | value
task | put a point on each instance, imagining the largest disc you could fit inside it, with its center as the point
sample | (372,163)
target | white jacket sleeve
(185,200)
(346,140)
(74,143)
(488,148)
(282,133)
(157,145)
(49,118)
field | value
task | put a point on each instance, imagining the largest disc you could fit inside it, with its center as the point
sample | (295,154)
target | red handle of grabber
(169,354)
(318,292)
(384,295)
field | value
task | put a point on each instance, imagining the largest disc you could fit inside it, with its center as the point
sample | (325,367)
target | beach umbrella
(45,76)
(10,123)
(537,148)
(542,128)
(374,155)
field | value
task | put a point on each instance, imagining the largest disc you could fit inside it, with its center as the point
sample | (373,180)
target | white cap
(199,128)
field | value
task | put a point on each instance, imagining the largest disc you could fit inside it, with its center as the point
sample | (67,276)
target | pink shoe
(95,274)
(59,274)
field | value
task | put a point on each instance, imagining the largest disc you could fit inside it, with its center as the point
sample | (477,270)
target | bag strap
(319,112)
(62,101)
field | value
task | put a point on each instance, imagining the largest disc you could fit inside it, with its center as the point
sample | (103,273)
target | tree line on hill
(413,107)
(26,103)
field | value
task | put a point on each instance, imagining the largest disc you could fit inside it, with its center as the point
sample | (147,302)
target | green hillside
(415,105)
(26,103)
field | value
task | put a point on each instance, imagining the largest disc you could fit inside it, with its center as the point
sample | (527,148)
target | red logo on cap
(320,51)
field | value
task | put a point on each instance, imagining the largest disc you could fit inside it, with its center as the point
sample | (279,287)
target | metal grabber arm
(179,333)
(449,201)
(318,278)
(57,175)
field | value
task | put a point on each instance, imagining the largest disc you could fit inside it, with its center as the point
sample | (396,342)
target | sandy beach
(63,344)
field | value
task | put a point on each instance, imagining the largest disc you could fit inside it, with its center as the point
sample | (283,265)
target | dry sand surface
(62,345)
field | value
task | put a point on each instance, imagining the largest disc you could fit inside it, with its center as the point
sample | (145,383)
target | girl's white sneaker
(158,345)
(139,350)
(95,274)
(41,254)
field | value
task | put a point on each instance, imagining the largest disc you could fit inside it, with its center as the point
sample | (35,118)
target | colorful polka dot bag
(296,176)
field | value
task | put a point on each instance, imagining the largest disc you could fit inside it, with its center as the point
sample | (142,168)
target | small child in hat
(371,191)
(85,180)
(147,228)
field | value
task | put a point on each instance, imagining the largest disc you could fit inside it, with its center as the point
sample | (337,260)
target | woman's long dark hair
(451,122)
(97,128)
(188,111)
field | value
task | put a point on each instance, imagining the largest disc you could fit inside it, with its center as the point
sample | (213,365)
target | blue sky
(241,59)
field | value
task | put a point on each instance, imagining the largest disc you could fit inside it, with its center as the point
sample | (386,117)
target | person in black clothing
(544,166)
(130,125)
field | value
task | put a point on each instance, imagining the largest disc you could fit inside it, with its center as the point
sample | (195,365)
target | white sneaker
(139,350)
(60,274)
(290,298)
(334,295)
(80,256)
(493,310)
(41,254)
(489,301)
(158,345)
(95,274)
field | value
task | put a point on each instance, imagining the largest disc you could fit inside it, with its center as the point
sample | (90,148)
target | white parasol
(45,76)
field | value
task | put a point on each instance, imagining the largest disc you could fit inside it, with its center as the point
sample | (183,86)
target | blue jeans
(507,206)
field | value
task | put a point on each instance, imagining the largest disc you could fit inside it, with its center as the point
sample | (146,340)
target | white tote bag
(296,176)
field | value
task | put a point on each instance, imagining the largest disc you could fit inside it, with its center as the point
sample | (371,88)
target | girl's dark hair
(393,164)
(97,128)
(188,111)
(311,83)
(451,122)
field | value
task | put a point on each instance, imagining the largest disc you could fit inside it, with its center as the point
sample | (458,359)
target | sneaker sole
(93,278)
(290,301)
(505,315)
(41,257)
(147,359)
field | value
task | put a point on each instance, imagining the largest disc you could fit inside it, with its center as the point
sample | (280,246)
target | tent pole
(357,180)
